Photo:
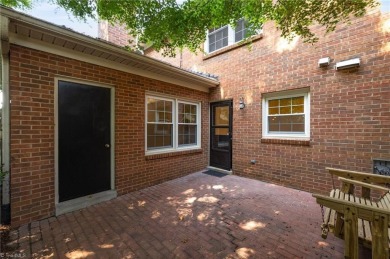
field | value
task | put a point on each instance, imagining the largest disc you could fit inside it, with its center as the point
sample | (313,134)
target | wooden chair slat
(363,217)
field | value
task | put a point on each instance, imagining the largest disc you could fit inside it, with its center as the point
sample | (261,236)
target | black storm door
(83,140)
(221,135)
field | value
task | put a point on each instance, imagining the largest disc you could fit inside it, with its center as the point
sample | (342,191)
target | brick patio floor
(197,216)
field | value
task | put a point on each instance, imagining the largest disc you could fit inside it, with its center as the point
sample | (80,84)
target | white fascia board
(66,34)
(68,53)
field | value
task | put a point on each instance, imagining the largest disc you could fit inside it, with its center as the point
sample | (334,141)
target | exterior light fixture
(350,63)
(242,104)
(324,62)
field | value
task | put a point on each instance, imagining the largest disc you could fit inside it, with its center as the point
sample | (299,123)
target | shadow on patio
(197,216)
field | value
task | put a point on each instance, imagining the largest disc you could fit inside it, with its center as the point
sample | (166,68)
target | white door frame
(82,202)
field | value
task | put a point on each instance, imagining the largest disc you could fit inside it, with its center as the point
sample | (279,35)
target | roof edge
(76,36)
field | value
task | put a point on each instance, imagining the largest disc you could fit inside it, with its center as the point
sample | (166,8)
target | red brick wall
(350,110)
(116,34)
(32,130)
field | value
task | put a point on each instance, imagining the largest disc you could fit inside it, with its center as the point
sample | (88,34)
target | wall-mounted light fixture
(242,104)
(324,62)
(350,63)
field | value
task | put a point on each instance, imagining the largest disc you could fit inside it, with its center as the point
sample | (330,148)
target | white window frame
(231,38)
(286,94)
(175,128)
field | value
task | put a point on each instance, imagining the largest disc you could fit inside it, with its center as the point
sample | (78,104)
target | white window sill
(174,152)
(171,150)
(284,137)
(233,46)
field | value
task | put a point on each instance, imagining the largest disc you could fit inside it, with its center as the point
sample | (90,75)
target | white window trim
(175,118)
(231,38)
(287,94)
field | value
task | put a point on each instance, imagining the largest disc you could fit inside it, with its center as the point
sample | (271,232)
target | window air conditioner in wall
(350,63)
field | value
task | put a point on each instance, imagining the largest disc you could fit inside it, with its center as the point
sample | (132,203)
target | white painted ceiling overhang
(33,33)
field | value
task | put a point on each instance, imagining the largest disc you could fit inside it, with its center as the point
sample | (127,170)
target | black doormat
(215,173)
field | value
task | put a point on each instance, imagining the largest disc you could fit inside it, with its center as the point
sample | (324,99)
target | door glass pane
(221,132)
(221,116)
(221,140)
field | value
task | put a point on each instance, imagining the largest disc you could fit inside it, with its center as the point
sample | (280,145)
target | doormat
(215,173)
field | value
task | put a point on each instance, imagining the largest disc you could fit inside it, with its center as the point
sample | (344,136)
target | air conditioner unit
(324,62)
(355,62)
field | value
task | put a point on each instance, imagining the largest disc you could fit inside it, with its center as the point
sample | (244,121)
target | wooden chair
(355,218)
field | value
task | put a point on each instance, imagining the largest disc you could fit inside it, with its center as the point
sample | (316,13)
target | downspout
(5,215)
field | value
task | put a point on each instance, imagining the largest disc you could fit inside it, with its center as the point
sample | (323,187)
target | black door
(83,140)
(221,135)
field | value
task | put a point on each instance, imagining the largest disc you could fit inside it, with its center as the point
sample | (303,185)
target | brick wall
(350,110)
(116,34)
(32,130)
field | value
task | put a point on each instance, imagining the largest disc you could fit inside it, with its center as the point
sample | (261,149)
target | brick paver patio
(197,216)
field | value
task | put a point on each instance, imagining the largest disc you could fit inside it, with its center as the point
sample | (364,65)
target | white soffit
(36,34)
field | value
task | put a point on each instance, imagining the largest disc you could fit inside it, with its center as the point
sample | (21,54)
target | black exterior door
(221,135)
(83,140)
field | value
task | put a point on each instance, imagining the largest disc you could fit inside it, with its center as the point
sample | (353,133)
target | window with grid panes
(218,38)
(187,124)
(171,124)
(159,123)
(241,30)
(286,116)
(223,36)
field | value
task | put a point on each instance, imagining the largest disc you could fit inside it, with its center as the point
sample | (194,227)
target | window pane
(168,117)
(297,100)
(273,103)
(285,102)
(285,110)
(285,127)
(160,104)
(238,36)
(151,104)
(240,25)
(193,109)
(151,142)
(272,111)
(211,47)
(298,109)
(187,135)
(298,127)
(298,118)
(273,127)
(225,42)
(168,106)
(160,116)
(289,123)
(218,44)
(159,135)
(151,116)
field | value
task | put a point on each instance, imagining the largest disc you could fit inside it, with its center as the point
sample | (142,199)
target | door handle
(107,145)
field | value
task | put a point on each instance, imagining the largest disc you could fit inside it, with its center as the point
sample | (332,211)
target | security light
(324,62)
(350,63)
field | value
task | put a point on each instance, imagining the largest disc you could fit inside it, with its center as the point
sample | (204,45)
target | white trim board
(68,53)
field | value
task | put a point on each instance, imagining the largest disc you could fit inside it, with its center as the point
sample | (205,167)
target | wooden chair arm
(364,211)
(359,176)
(363,184)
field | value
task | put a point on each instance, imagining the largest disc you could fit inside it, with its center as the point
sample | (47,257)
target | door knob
(107,145)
